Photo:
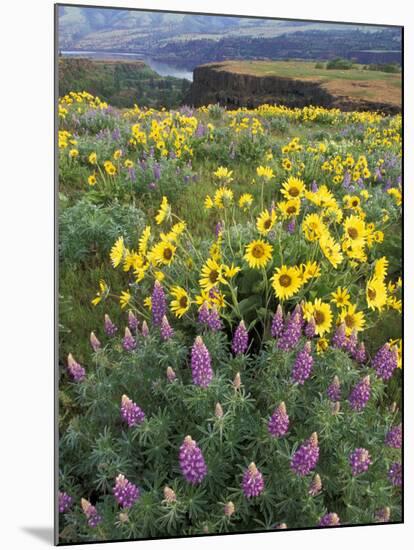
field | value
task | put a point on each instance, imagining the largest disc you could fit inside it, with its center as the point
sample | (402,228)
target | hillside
(121,83)
(295,84)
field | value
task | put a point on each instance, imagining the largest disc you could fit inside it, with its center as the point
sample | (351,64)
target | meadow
(229,319)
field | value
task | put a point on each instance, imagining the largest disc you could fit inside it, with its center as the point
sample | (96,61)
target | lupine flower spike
(110,328)
(91,513)
(158,303)
(125,492)
(253,483)
(130,412)
(306,457)
(192,464)
(128,342)
(240,339)
(201,364)
(95,343)
(278,424)
(76,371)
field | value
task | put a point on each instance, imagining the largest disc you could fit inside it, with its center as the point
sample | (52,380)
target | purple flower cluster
(201,363)
(383,515)
(329,520)
(167,331)
(130,412)
(360,394)
(76,371)
(360,354)
(132,321)
(125,492)
(385,361)
(110,328)
(65,502)
(210,317)
(359,460)
(334,390)
(310,329)
(394,437)
(240,341)
(95,343)
(158,303)
(302,367)
(278,423)
(91,513)
(306,457)
(128,341)
(291,332)
(395,474)
(277,323)
(339,338)
(192,463)
(252,483)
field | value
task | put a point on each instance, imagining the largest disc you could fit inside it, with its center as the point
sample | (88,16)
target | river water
(160,67)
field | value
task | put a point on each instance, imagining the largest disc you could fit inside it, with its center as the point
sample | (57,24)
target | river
(160,67)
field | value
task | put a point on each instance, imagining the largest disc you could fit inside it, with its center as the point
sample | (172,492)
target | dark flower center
(293,191)
(183,301)
(168,253)
(213,275)
(258,251)
(285,280)
(319,317)
(353,232)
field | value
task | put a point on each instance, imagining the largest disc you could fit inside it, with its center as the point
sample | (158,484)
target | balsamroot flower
(91,513)
(132,321)
(315,486)
(171,376)
(360,394)
(306,457)
(240,339)
(128,341)
(192,464)
(395,474)
(359,460)
(158,303)
(385,361)
(201,363)
(253,483)
(76,371)
(394,437)
(110,328)
(334,390)
(278,423)
(302,367)
(167,331)
(277,323)
(65,502)
(130,412)
(125,492)
(95,343)
(329,520)
(291,332)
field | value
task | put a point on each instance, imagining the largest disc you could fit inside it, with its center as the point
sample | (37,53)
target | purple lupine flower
(203,314)
(347,180)
(291,333)
(125,492)
(351,344)
(95,343)
(291,226)
(310,329)
(110,328)
(152,185)
(334,390)
(277,323)
(200,131)
(128,341)
(360,394)
(192,463)
(156,170)
(158,303)
(385,361)
(359,460)
(167,331)
(132,321)
(315,486)
(132,175)
(306,457)
(302,367)
(253,483)
(360,354)
(91,513)
(171,376)
(314,187)
(395,474)
(130,412)
(201,363)
(144,329)
(329,520)
(76,371)
(394,437)
(65,502)
(339,338)
(382,515)
(240,341)
(116,134)
(218,229)
(278,423)
(213,320)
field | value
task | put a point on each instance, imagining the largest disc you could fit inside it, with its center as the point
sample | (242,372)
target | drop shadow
(44,534)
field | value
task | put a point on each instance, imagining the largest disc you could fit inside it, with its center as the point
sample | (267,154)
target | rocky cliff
(216,83)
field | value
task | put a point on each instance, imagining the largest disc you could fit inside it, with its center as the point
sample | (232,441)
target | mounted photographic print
(229,273)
